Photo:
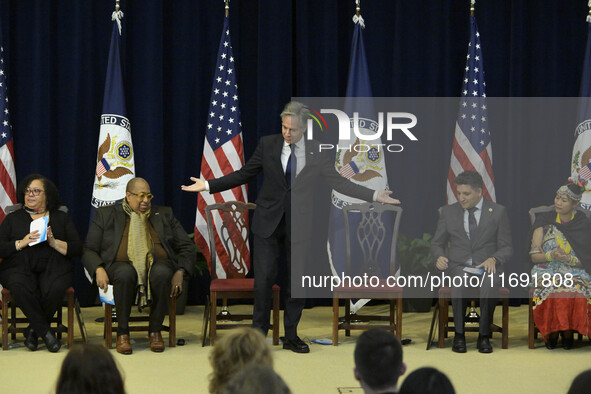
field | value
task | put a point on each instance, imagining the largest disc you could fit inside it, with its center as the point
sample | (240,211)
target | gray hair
(297,109)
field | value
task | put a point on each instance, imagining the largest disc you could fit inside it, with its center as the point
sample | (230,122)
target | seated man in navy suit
(472,233)
(292,167)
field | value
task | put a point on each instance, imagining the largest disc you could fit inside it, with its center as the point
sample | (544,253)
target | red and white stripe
(214,164)
(464,158)
(7,178)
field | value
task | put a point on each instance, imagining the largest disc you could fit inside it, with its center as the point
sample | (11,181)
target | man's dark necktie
(292,165)
(472,225)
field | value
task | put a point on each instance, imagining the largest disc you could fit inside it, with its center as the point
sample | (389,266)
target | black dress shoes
(296,345)
(53,345)
(552,341)
(568,341)
(31,339)
(459,345)
(483,344)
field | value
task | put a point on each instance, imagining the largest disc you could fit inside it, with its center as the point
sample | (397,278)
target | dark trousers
(266,262)
(38,289)
(123,277)
(488,294)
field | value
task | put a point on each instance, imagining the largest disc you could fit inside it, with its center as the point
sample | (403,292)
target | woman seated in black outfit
(38,275)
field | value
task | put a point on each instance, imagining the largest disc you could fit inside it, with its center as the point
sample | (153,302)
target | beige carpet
(184,369)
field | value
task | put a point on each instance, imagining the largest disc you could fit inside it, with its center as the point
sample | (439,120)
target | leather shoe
(53,345)
(459,345)
(296,345)
(156,342)
(552,341)
(31,339)
(123,344)
(568,342)
(483,344)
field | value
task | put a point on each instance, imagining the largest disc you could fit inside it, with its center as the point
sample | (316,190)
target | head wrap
(564,189)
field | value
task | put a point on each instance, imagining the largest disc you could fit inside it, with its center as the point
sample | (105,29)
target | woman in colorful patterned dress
(561,254)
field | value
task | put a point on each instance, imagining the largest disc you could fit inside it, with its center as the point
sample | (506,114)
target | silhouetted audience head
(256,379)
(235,351)
(378,361)
(427,381)
(581,384)
(89,369)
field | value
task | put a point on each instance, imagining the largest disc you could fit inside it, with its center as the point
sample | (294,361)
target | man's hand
(176,284)
(198,186)
(489,265)
(102,279)
(384,196)
(441,263)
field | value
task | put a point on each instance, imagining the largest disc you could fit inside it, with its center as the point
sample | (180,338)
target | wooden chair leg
(393,321)
(275,317)
(212,316)
(335,321)
(399,317)
(443,316)
(12,320)
(531,330)
(70,320)
(4,322)
(505,334)
(172,322)
(347,316)
(205,322)
(80,321)
(108,326)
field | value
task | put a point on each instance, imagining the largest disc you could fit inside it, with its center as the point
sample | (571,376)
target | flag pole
(227,2)
(358,7)
(472,2)
(589,14)
(117,5)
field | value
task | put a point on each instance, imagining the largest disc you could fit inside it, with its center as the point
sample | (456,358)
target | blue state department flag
(581,158)
(365,167)
(115,156)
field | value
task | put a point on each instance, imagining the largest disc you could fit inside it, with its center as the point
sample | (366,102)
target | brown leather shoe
(123,344)
(156,342)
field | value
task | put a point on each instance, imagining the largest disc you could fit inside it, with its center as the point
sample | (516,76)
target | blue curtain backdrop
(56,56)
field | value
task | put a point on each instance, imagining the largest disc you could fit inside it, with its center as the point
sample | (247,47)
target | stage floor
(326,369)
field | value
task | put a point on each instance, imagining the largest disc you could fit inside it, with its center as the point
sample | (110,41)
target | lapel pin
(490,209)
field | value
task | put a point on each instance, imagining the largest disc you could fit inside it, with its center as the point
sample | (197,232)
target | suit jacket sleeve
(180,243)
(441,237)
(244,175)
(343,185)
(91,257)
(504,245)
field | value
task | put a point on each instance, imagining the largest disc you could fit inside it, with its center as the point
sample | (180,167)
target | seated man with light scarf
(144,252)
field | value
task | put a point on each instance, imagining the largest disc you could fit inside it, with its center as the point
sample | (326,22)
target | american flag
(471,147)
(223,152)
(7,172)
(349,170)
(102,167)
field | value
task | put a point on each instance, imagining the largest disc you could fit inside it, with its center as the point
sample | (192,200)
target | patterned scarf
(139,251)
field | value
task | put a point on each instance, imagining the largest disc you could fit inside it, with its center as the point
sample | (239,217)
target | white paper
(474,271)
(107,297)
(41,226)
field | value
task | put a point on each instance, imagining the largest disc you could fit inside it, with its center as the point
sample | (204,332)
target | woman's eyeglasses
(141,196)
(34,192)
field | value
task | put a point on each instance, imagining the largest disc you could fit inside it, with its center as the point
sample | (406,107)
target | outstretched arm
(197,186)
(384,197)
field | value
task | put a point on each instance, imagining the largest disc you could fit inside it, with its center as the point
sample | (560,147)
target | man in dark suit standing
(472,233)
(292,167)
(144,252)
